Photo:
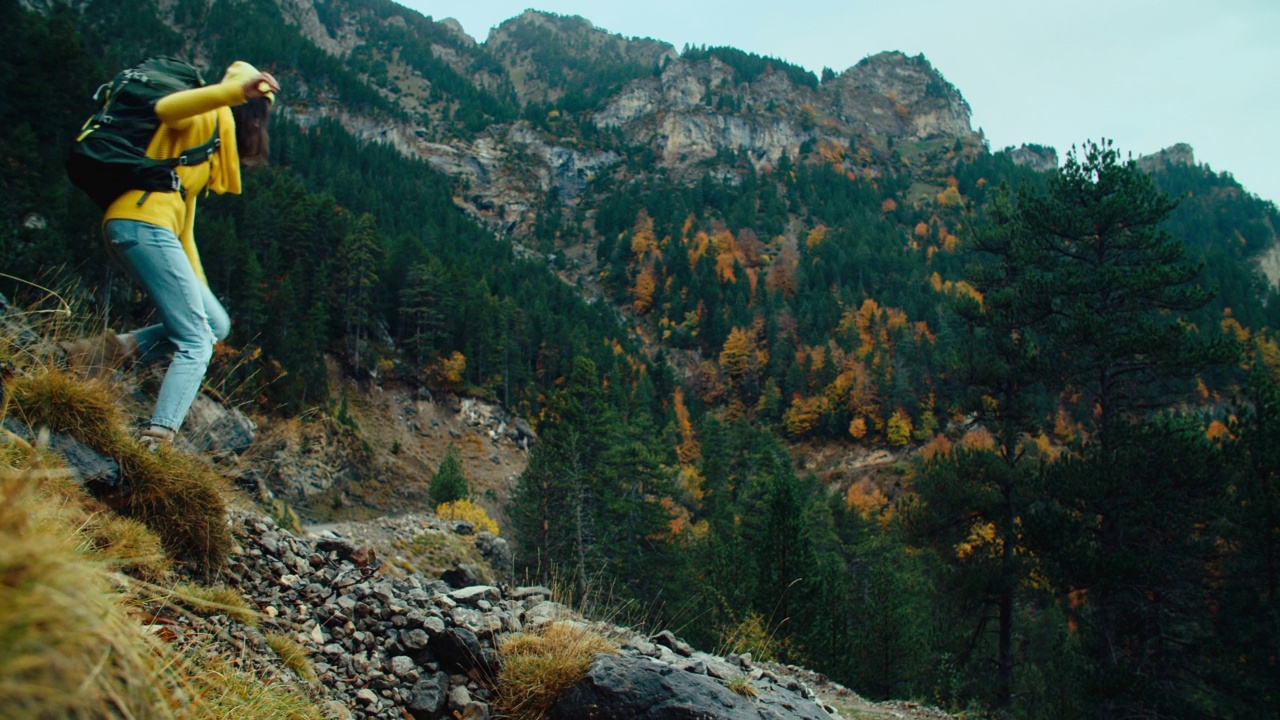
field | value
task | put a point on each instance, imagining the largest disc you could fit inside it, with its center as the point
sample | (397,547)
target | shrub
(469,512)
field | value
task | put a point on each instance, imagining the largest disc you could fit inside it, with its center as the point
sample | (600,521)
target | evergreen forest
(1075,373)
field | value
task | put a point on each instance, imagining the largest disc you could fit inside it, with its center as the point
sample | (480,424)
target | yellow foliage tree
(1217,431)
(831,151)
(858,428)
(724,267)
(741,358)
(450,371)
(937,446)
(816,236)
(642,293)
(698,247)
(866,497)
(899,431)
(643,241)
(949,197)
(803,415)
(688,450)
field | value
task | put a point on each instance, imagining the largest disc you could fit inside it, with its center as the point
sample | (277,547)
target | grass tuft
(222,691)
(742,686)
(128,545)
(175,495)
(539,666)
(216,600)
(293,654)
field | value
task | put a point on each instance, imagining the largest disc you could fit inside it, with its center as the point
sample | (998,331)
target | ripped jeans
(191,318)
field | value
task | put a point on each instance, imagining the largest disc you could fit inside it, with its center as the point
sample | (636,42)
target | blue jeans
(191,318)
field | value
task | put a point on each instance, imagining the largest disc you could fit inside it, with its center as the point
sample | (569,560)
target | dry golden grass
(742,686)
(70,650)
(173,494)
(128,545)
(293,654)
(539,666)
(215,600)
(219,690)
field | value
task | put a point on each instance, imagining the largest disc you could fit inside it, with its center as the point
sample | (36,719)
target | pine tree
(358,269)
(1111,286)
(450,482)
(555,502)
(1107,287)
(422,312)
(999,361)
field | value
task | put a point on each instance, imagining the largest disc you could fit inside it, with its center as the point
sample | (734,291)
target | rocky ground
(389,643)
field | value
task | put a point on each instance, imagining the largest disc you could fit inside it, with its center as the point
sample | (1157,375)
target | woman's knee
(196,347)
(219,321)
(220,324)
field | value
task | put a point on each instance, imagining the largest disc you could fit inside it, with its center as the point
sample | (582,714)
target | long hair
(251,130)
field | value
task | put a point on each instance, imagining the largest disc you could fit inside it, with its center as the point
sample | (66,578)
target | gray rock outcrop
(644,689)
(1177,154)
(1037,157)
(213,427)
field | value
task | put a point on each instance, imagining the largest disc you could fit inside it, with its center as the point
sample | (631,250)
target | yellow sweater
(187,120)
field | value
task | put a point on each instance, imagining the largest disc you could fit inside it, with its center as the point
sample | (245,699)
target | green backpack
(109,156)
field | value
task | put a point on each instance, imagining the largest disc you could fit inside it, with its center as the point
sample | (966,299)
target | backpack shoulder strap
(202,152)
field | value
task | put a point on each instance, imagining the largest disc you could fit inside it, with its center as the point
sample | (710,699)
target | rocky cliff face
(591,97)
(671,114)
(893,95)
(694,110)
(1177,154)
(1036,157)
(549,56)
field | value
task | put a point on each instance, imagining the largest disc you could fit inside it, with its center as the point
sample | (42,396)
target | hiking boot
(154,436)
(96,357)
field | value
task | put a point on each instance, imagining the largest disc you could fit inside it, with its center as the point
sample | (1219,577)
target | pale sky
(1145,73)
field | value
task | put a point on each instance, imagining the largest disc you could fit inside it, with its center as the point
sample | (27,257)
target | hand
(259,85)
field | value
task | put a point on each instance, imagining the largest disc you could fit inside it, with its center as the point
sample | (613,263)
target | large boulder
(212,427)
(641,689)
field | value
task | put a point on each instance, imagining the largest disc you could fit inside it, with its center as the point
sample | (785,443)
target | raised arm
(176,110)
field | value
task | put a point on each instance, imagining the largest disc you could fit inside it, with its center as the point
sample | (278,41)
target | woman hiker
(150,234)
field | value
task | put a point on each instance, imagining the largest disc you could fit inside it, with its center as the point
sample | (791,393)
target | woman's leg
(154,256)
(153,340)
